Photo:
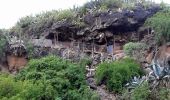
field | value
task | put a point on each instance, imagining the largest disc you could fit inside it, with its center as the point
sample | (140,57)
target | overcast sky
(12,10)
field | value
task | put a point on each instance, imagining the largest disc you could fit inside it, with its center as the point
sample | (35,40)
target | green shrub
(65,14)
(141,93)
(34,26)
(110,3)
(160,22)
(117,73)
(164,94)
(85,61)
(11,89)
(103,5)
(59,78)
(144,92)
(30,50)
(132,48)
(3,42)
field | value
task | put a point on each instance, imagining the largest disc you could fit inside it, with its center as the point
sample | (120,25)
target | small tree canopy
(160,22)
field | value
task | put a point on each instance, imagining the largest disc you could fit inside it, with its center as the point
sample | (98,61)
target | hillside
(103,50)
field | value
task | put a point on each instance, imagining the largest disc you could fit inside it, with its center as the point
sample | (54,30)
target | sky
(12,10)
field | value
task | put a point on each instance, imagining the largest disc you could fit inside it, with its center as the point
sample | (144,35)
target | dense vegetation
(49,78)
(116,74)
(3,41)
(160,22)
(52,78)
(35,25)
(133,48)
(11,89)
(105,5)
(2,44)
(143,92)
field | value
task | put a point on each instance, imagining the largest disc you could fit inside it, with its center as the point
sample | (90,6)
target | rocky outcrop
(15,47)
(121,21)
(16,63)
(101,26)
(15,54)
(65,30)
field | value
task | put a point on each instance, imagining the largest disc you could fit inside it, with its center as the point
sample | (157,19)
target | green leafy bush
(117,73)
(30,50)
(141,93)
(164,94)
(65,14)
(60,79)
(34,26)
(144,92)
(107,4)
(11,89)
(3,42)
(103,5)
(160,22)
(136,50)
(132,48)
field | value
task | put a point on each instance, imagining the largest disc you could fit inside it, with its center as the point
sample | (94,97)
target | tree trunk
(55,39)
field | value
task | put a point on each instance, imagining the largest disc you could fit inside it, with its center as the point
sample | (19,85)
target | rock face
(101,26)
(162,56)
(16,63)
(65,30)
(15,47)
(122,21)
(16,54)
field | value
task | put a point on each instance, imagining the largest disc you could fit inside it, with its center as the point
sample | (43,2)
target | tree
(160,22)
(3,41)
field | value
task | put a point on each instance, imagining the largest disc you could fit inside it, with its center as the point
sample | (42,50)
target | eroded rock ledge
(101,26)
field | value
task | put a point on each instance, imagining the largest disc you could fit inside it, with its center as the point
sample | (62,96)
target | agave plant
(160,73)
(159,76)
(135,81)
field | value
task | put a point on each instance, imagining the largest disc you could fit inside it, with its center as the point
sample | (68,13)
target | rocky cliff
(101,26)
(92,24)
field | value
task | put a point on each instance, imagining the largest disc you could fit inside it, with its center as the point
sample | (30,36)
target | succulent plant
(158,75)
